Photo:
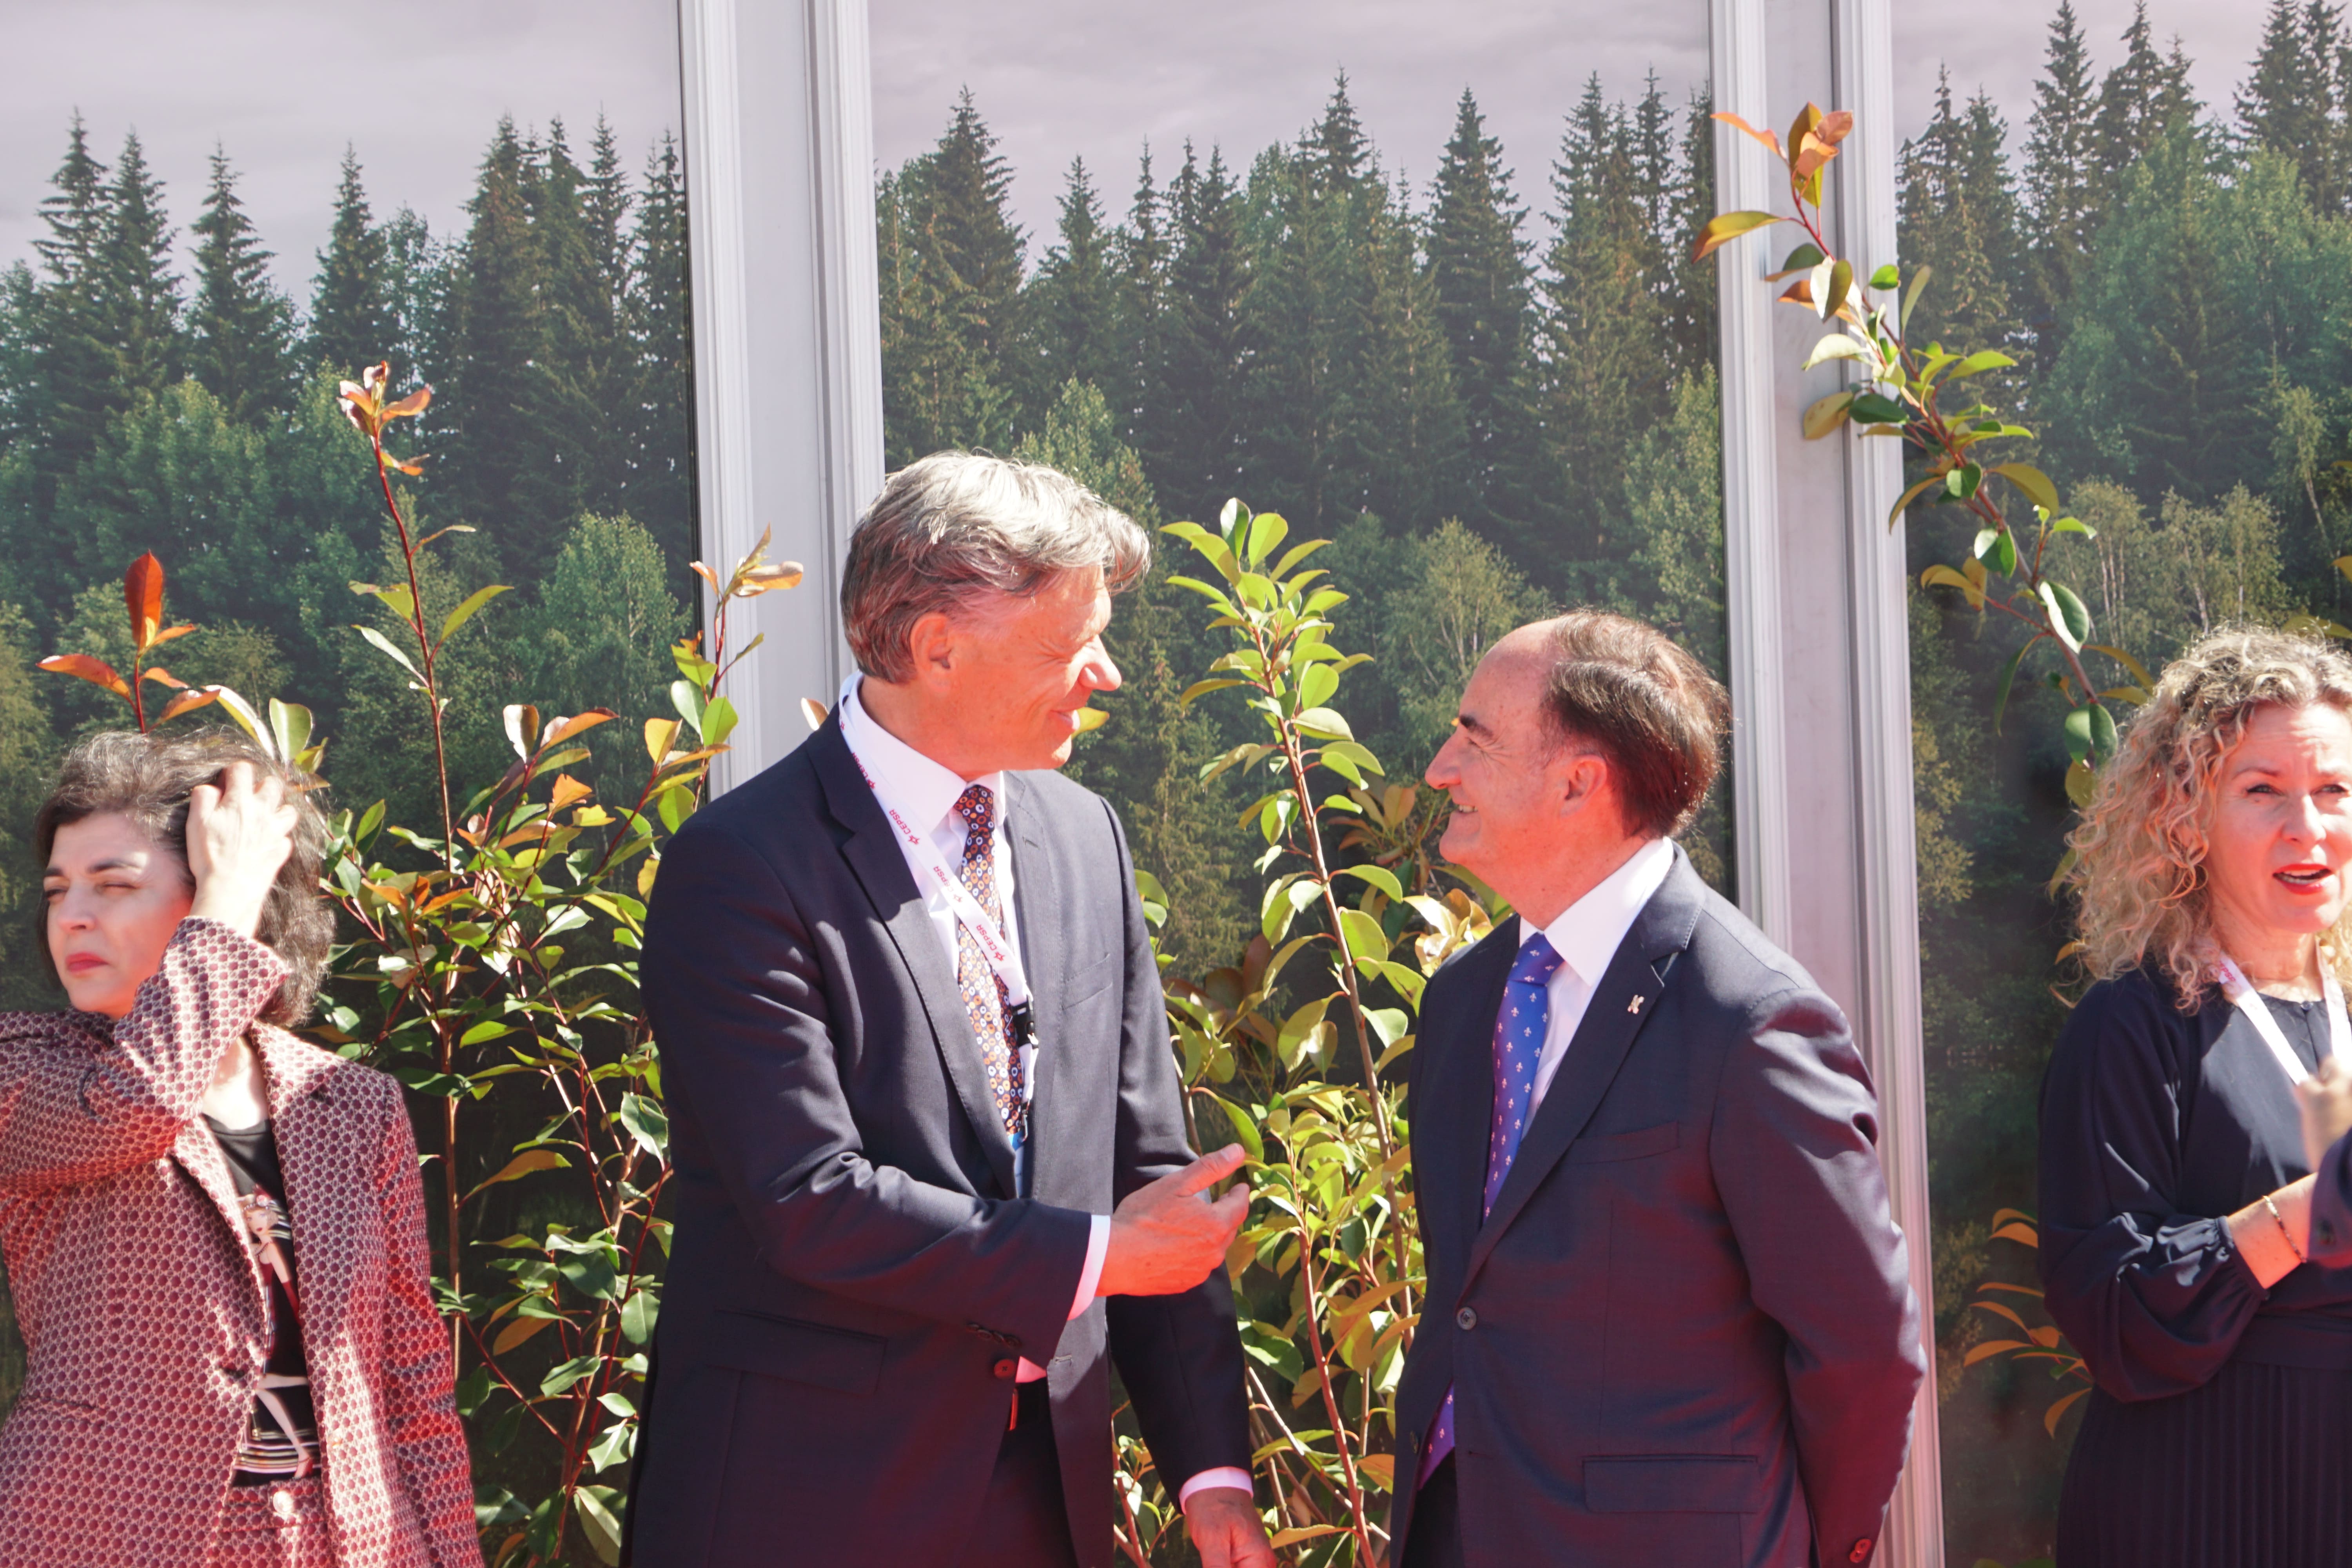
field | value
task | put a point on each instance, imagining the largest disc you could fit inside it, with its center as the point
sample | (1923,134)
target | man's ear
(1584,781)
(932,646)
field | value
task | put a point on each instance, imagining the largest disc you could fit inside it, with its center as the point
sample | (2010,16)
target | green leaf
(1886,276)
(1323,721)
(384,644)
(289,727)
(1380,877)
(469,609)
(2003,545)
(1877,408)
(1366,940)
(1837,345)
(597,1522)
(1961,483)
(2007,678)
(2032,482)
(1827,415)
(648,1122)
(1841,284)
(2140,671)
(2078,734)
(561,1378)
(719,722)
(639,1314)
(1245,1130)
(397,598)
(2069,618)
(2074,525)
(687,698)
(523,1164)
(1267,530)
(1804,259)
(2103,732)
(1316,686)
(1728,226)
(592,1274)
(1911,295)
(1977,363)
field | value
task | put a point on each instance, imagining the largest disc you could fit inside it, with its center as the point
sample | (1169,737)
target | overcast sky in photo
(283,84)
(415,88)
(1101,78)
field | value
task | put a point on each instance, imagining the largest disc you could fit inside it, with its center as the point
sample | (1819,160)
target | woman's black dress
(2220,1431)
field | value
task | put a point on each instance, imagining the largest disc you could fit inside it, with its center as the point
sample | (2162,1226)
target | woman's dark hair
(149,778)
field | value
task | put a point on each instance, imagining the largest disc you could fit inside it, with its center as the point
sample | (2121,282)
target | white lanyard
(2247,1000)
(986,932)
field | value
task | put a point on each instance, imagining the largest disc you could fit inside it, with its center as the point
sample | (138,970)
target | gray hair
(956,522)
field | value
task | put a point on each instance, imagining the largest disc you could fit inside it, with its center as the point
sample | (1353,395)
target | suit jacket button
(1006,1367)
(1465,1319)
(1861,1552)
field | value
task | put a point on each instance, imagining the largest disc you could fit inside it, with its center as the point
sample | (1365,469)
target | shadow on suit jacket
(853,1274)
(1685,1336)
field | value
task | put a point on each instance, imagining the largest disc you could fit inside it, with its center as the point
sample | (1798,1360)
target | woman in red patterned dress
(214,1232)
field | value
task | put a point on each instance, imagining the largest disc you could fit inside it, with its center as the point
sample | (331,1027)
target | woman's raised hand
(240,831)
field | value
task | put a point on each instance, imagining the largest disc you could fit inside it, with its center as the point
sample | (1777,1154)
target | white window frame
(779,177)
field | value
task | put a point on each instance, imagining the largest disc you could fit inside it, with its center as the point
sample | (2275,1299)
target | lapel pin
(1635,1005)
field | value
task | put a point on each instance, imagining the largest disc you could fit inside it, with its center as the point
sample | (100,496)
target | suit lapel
(1457,1098)
(1622,1007)
(1039,898)
(874,855)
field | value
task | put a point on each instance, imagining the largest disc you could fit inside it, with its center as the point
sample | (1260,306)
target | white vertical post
(1820,664)
(1888,886)
(1759,831)
(787,379)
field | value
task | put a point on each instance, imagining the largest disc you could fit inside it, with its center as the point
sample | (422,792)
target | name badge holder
(1021,1015)
(2247,1000)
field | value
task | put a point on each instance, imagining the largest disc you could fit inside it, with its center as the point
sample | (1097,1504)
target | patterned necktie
(1520,1024)
(983,993)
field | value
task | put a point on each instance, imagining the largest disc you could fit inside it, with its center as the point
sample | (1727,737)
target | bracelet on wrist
(2285,1235)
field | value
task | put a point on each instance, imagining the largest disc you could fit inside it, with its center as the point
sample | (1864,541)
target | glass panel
(2151,220)
(1434,308)
(210,215)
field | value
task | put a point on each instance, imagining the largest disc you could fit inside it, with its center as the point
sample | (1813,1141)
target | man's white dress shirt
(928,793)
(1586,935)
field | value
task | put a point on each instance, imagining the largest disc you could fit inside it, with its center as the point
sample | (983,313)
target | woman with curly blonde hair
(2176,1192)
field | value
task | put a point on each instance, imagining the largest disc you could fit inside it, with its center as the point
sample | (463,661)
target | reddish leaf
(569,792)
(168,633)
(1835,127)
(96,671)
(410,407)
(1769,138)
(564,728)
(142,595)
(187,701)
(708,575)
(161,677)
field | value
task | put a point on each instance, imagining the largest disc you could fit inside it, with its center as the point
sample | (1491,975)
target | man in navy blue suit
(1668,1318)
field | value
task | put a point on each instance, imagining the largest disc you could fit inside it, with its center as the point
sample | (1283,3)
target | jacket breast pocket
(838,1359)
(1091,978)
(1639,1145)
(1671,1483)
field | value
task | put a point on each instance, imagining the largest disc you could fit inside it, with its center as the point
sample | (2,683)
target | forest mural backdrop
(1494,386)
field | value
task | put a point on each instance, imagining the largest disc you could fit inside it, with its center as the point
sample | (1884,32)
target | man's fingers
(1210,1169)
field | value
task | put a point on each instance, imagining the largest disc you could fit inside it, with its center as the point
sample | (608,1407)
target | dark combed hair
(149,778)
(1648,706)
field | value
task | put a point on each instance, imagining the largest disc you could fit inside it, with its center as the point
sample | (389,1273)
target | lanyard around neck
(2247,1000)
(930,864)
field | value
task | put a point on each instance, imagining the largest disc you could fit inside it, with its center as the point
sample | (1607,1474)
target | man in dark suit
(1668,1318)
(931,1177)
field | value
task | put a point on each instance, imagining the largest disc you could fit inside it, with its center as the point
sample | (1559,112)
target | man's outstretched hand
(1226,1529)
(1166,1237)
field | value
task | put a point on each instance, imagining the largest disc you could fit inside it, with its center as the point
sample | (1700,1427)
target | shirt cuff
(1097,1248)
(1225,1476)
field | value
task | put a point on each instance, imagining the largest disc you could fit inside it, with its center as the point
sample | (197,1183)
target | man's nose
(1441,773)
(1100,672)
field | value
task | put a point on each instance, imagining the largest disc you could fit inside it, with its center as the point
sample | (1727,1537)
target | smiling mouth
(2303,876)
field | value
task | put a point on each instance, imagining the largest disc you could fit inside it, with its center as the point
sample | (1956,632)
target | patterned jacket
(144,1313)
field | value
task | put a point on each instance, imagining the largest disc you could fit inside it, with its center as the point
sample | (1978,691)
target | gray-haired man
(931,1173)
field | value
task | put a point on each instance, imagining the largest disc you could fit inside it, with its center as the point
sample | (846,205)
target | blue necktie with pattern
(983,993)
(1519,1027)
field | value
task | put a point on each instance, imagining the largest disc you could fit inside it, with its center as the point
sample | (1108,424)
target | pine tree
(2139,100)
(138,298)
(574,372)
(1478,268)
(1958,216)
(241,328)
(497,336)
(1196,399)
(415,269)
(969,240)
(2061,178)
(2290,104)
(351,323)
(1339,155)
(1404,447)
(659,322)
(1691,311)
(1139,256)
(71,386)
(1074,317)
